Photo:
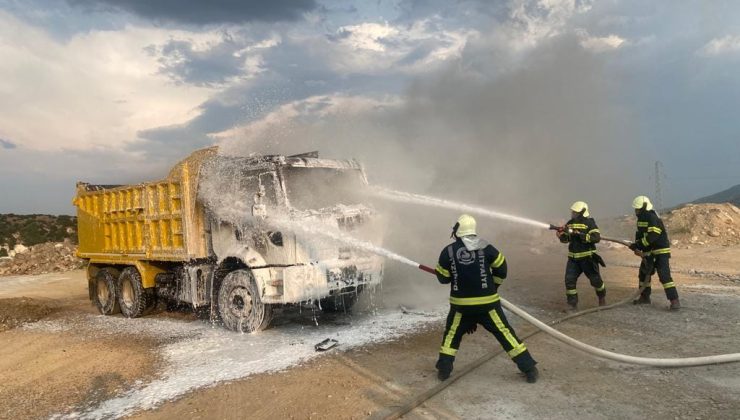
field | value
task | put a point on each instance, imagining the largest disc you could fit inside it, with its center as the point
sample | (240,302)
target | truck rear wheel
(132,297)
(239,304)
(105,292)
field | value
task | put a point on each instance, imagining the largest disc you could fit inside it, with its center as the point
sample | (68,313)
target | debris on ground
(704,224)
(325,345)
(49,257)
(18,311)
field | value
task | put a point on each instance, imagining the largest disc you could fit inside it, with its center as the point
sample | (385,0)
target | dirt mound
(704,224)
(17,311)
(44,258)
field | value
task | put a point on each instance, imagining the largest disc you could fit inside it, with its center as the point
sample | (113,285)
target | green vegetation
(34,229)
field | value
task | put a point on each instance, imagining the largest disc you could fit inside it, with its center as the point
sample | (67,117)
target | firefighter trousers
(574,268)
(660,264)
(491,316)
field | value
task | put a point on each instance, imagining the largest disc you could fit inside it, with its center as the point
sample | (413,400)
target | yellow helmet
(642,201)
(465,225)
(580,206)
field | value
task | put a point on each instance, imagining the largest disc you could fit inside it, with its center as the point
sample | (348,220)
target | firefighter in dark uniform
(652,244)
(475,269)
(582,235)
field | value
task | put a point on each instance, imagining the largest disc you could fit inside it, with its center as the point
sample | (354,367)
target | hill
(730,195)
(34,229)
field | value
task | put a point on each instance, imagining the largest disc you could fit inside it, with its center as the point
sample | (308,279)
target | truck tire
(239,304)
(132,297)
(339,303)
(105,297)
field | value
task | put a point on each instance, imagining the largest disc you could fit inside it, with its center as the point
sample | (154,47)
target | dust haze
(527,137)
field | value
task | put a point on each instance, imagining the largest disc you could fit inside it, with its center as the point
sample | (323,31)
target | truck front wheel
(239,304)
(132,297)
(105,292)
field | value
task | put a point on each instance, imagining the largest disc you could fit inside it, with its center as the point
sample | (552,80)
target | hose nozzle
(428,269)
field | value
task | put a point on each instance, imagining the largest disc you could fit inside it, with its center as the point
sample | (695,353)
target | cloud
(372,47)
(232,58)
(600,44)
(7,144)
(724,45)
(200,12)
(532,21)
(95,90)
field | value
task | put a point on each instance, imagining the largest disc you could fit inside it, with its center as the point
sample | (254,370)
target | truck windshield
(318,188)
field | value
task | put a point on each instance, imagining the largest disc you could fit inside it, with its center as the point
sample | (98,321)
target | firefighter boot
(572,303)
(675,304)
(602,300)
(532,375)
(444,368)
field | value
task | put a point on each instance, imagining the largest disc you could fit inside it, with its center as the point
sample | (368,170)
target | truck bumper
(302,283)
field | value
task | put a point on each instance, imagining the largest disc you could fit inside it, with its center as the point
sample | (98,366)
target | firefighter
(581,234)
(652,244)
(475,269)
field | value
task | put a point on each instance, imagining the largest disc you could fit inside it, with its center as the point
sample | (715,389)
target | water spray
(405,197)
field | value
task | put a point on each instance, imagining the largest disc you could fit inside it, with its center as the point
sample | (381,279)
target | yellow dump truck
(203,237)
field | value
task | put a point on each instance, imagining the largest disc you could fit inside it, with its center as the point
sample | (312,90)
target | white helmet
(642,201)
(580,206)
(465,226)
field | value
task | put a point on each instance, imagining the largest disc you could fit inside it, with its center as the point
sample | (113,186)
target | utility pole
(658,186)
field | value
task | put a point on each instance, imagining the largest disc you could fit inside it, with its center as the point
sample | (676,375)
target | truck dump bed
(156,221)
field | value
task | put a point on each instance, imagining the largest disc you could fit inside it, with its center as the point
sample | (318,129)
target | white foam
(211,354)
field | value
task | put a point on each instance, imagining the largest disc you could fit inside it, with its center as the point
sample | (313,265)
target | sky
(514,103)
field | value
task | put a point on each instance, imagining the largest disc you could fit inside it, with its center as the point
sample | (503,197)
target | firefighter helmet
(580,206)
(642,202)
(465,226)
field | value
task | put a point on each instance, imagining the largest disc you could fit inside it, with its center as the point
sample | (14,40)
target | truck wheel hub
(240,302)
(127,293)
(102,291)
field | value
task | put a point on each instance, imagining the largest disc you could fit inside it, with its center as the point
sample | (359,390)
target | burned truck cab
(269,216)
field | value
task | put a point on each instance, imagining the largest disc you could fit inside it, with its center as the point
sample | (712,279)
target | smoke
(526,136)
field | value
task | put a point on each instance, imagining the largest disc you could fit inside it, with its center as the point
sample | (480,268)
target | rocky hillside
(34,229)
(730,195)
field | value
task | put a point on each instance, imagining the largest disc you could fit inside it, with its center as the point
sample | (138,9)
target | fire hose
(541,326)
(645,361)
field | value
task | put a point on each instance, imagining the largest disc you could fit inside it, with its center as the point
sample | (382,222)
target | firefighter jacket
(582,237)
(474,269)
(651,237)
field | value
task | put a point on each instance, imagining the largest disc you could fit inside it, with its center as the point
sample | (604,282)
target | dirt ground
(45,370)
